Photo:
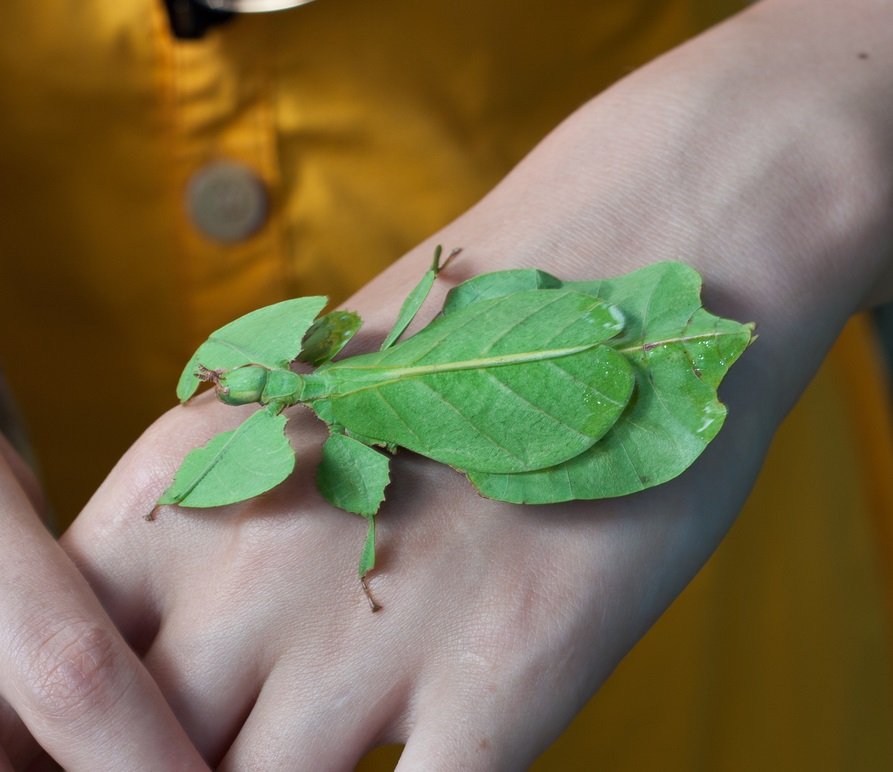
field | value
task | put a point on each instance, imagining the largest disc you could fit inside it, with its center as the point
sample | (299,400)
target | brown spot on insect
(697,372)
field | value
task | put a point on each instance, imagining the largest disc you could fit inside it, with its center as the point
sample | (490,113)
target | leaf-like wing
(495,284)
(234,465)
(269,336)
(328,335)
(352,475)
(680,353)
(510,384)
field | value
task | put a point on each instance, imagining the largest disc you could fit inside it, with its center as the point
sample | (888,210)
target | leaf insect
(539,390)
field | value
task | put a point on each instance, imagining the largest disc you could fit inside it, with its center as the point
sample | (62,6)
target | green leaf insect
(537,389)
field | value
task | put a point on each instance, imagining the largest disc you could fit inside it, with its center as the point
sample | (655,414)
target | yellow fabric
(372,124)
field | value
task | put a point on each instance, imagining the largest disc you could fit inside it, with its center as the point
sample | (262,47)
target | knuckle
(71,669)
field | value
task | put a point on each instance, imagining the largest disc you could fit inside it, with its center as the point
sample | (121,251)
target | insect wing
(515,383)
(496,284)
(680,353)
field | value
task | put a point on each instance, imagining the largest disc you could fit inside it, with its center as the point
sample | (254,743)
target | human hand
(68,682)
(499,621)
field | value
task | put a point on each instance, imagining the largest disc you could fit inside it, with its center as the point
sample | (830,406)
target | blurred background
(168,166)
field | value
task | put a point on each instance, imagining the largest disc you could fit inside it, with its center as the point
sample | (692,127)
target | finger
(209,675)
(305,718)
(157,582)
(42,763)
(15,739)
(115,559)
(23,474)
(436,746)
(64,669)
(459,743)
(127,549)
(5,763)
(495,713)
(225,630)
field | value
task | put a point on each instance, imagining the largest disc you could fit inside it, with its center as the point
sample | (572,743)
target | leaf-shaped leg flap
(270,336)
(328,335)
(234,465)
(352,476)
(415,299)
(410,308)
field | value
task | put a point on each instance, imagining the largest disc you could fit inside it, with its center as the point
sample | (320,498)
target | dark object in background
(190,21)
(883,319)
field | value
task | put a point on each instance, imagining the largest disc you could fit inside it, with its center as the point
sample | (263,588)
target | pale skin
(67,677)
(765,165)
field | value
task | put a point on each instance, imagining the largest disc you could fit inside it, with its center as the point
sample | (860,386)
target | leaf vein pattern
(560,332)
(477,430)
(447,334)
(403,422)
(552,364)
(519,322)
(636,471)
(507,388)
(646,346)
(217,458)
(671,419)
(571,488)
(712,333)
(233,347)
(646,311)
(414,371)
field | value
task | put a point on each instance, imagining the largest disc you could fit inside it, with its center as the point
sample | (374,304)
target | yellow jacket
(337,135)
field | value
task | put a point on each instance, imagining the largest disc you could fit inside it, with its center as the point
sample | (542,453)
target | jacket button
(227,201)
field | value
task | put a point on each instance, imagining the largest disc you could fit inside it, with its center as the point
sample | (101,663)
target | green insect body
(256,383)
(451,401)
(243,385)
(539,390)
